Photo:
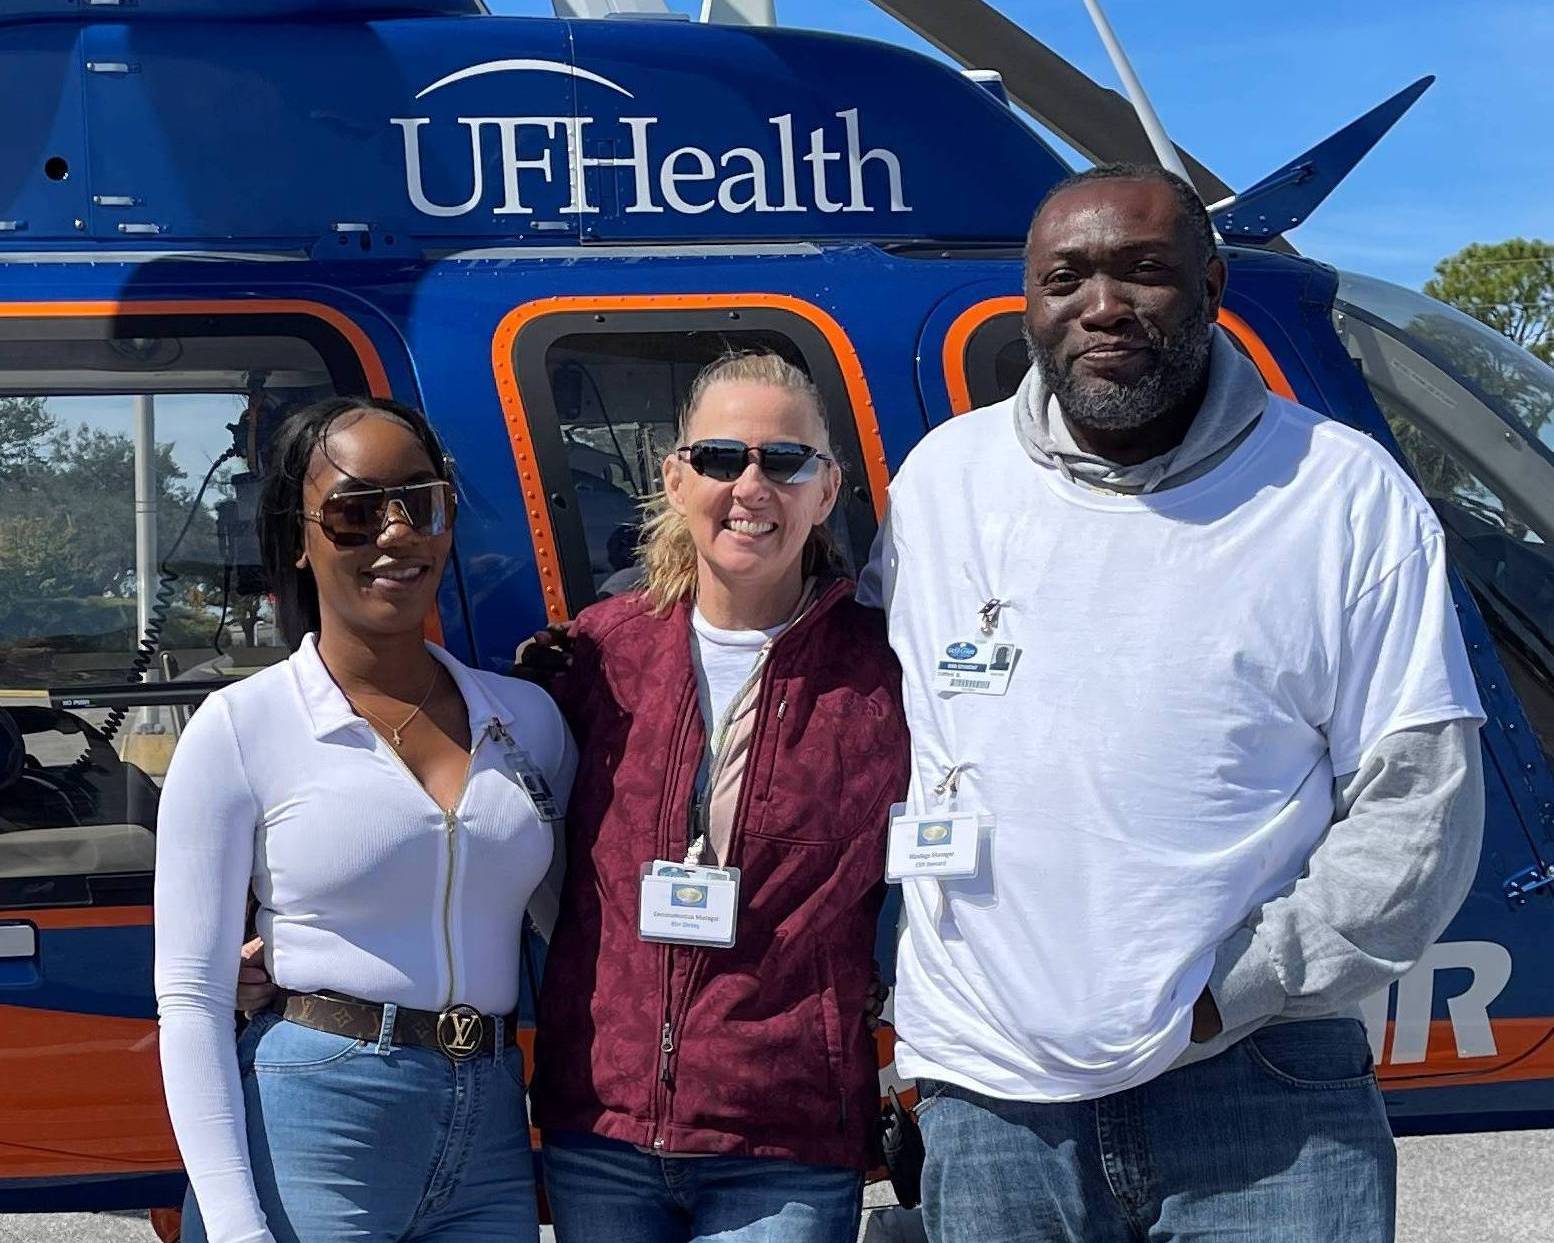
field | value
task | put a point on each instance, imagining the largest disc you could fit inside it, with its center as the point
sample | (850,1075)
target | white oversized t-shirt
(1196,665)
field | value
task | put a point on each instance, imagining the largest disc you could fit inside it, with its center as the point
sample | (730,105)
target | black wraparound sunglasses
(781,461)
(352,519)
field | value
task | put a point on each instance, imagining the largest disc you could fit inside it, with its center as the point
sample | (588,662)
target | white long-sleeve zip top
(365,886)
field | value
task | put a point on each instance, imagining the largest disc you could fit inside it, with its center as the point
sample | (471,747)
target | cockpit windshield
(1474,415)
(1517,385)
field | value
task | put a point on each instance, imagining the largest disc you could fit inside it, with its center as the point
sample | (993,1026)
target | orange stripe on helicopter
(89,917)
(965,325)
(60,1069)
(1273,375)
(1525,1052)
(546,557)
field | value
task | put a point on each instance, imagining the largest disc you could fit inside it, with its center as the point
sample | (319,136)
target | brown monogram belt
(459,1032)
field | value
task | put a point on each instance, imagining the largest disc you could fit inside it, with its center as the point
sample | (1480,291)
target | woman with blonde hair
(704,1065)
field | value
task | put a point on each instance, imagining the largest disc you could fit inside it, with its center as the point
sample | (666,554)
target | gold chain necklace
(395,734)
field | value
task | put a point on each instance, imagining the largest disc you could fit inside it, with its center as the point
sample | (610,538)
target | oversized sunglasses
(352,519)
(781,461)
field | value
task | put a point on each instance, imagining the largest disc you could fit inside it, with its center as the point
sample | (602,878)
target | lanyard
(701,809)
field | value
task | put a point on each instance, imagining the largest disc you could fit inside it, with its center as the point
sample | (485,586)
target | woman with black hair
(389,810)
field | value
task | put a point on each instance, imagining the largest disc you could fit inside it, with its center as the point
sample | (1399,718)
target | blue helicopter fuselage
(535,230)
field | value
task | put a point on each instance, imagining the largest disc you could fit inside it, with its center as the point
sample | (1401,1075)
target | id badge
(975,667)
(945,846)
(688,905)
(535,784)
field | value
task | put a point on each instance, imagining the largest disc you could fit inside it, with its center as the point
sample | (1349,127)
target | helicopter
(538,230)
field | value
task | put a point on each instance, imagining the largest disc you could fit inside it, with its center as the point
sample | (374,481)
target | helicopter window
(996,359)
(129,576)
(1491,486)
(1506,562)
(614,392)
(1515,384)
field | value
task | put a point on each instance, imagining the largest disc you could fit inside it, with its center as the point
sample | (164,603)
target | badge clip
(949,784)
(528,775)
(988,615)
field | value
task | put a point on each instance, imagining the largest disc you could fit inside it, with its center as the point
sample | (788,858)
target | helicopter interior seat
(93,814)
(1520,572)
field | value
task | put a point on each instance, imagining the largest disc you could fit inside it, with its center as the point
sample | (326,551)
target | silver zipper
(450,825)
(450,822)
(665,1048)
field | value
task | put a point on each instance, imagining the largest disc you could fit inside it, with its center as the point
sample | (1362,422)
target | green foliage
(25,426)
(67,536)
(1506,285)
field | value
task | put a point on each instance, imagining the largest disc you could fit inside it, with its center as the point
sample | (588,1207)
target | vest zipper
(675,1015)
(689,712)
(665,1048)
(818,604)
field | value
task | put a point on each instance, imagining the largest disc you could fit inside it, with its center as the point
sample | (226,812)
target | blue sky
(1245,87)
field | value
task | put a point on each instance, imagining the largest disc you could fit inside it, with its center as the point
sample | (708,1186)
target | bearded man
(1181,657)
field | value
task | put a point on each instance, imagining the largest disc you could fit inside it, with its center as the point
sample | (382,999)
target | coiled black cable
(156,620)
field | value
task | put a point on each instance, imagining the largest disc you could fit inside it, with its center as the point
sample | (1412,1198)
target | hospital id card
(975,667)
(688,905)
(944,846)
(535,785)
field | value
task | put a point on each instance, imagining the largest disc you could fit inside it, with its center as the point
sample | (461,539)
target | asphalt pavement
(1454,1189)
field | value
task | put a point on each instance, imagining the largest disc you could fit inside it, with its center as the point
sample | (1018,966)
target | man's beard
(1179,363)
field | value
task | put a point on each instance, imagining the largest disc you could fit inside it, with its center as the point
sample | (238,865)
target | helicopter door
(592,388)
(129,588)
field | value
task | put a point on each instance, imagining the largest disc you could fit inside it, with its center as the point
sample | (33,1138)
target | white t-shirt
(1195,667)
(724,661)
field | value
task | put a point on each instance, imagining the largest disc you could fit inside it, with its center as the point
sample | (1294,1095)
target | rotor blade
(1097,122)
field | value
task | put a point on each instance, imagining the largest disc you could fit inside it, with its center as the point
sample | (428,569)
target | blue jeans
(348,1142)
(602,1191)
(1281,1137)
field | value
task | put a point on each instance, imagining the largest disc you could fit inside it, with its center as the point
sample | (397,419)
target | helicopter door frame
(518,354)
(971,346)
(87,982)
(366,353)
(347,352)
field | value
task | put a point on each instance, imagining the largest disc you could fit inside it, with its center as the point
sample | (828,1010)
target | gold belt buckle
(460,1030)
